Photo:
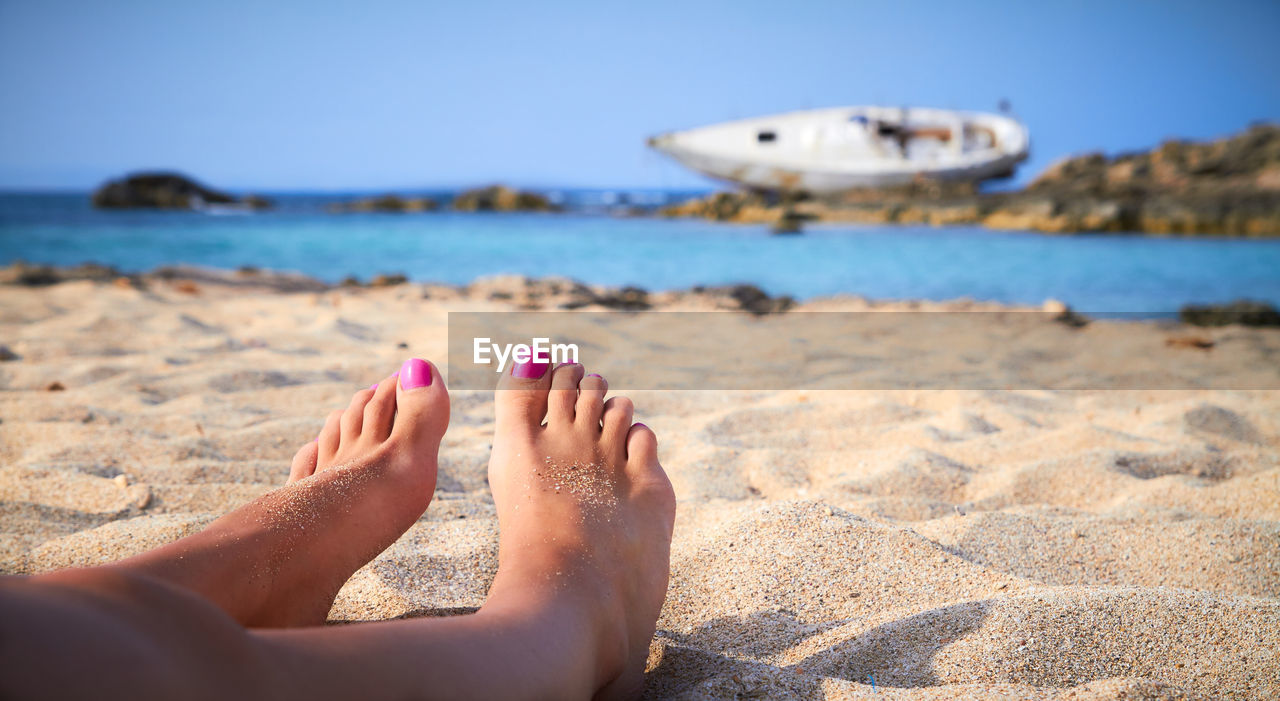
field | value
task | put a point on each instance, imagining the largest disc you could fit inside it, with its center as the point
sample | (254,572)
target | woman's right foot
(585,514)
(280,561)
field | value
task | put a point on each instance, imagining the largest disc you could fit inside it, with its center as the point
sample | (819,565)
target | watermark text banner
(863,350)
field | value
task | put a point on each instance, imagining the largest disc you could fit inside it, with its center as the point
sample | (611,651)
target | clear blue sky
(276,95)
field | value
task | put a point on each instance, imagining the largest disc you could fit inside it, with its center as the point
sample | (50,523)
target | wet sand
(895,544)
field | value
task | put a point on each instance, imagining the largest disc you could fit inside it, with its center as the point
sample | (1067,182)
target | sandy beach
(895,544)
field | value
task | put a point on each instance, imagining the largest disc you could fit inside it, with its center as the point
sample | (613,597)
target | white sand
(1037,544)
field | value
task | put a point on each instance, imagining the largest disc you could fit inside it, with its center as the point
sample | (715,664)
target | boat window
(767,136)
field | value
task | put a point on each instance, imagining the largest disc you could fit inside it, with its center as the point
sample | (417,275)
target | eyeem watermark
(541,350)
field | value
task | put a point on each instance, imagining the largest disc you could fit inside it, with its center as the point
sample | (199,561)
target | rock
(1063,314)
(747,298)
(627,299)
(386,203)
(1053,306)
(739,207)
(7,355)
(21,273)
(500,198)
(163,191)
(388,280)
(185,277)
(790,222)
(256,202)
(1243,312)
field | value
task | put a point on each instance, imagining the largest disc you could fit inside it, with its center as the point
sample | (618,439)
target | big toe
(520,402)
(422,405)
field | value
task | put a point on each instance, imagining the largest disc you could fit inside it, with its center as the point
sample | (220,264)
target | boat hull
(735,152)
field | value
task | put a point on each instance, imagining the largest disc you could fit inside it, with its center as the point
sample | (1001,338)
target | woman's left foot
(280,560)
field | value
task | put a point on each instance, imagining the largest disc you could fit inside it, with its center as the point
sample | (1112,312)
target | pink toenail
(529,371)
(642,425)
(595,375)
(373,386)
(415,373)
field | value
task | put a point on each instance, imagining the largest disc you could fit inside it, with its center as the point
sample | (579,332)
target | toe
(564,393)
(304,462)
(642,449)
(353,417)
(618,414)
(380,412)
(591,393)
(330,438)
(646,475)
(520,402)
(421,405)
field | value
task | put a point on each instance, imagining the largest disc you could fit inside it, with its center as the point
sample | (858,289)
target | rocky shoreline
(558,293)
(1227,187)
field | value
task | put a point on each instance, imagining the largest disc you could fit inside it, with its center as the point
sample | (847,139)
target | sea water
(1092,273)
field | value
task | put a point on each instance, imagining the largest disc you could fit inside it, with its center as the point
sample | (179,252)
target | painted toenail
(529,370)
(373,386)
(642,425)
(415,373)
(595,375)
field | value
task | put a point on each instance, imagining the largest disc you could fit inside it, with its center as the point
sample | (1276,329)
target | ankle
(588,621)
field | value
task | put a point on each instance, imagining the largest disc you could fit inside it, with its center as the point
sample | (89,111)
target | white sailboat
(843,148)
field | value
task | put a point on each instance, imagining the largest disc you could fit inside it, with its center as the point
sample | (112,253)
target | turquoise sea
(1099,274)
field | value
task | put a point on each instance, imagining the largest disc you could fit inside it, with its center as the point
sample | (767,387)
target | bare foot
(281,560)
(585,513)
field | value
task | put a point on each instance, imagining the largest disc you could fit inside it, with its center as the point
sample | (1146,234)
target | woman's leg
(280,560)
(585,512)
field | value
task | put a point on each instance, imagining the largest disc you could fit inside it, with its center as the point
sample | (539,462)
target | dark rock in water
(164,191)
(386,203)
(1242,312)
(257,202)
(790,222)
(500,198)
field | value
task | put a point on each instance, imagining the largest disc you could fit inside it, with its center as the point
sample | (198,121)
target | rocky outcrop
(166,191)
(1229,187)
(27,275)
(386,203)
(1242,312)
(500,198)
(564,293)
